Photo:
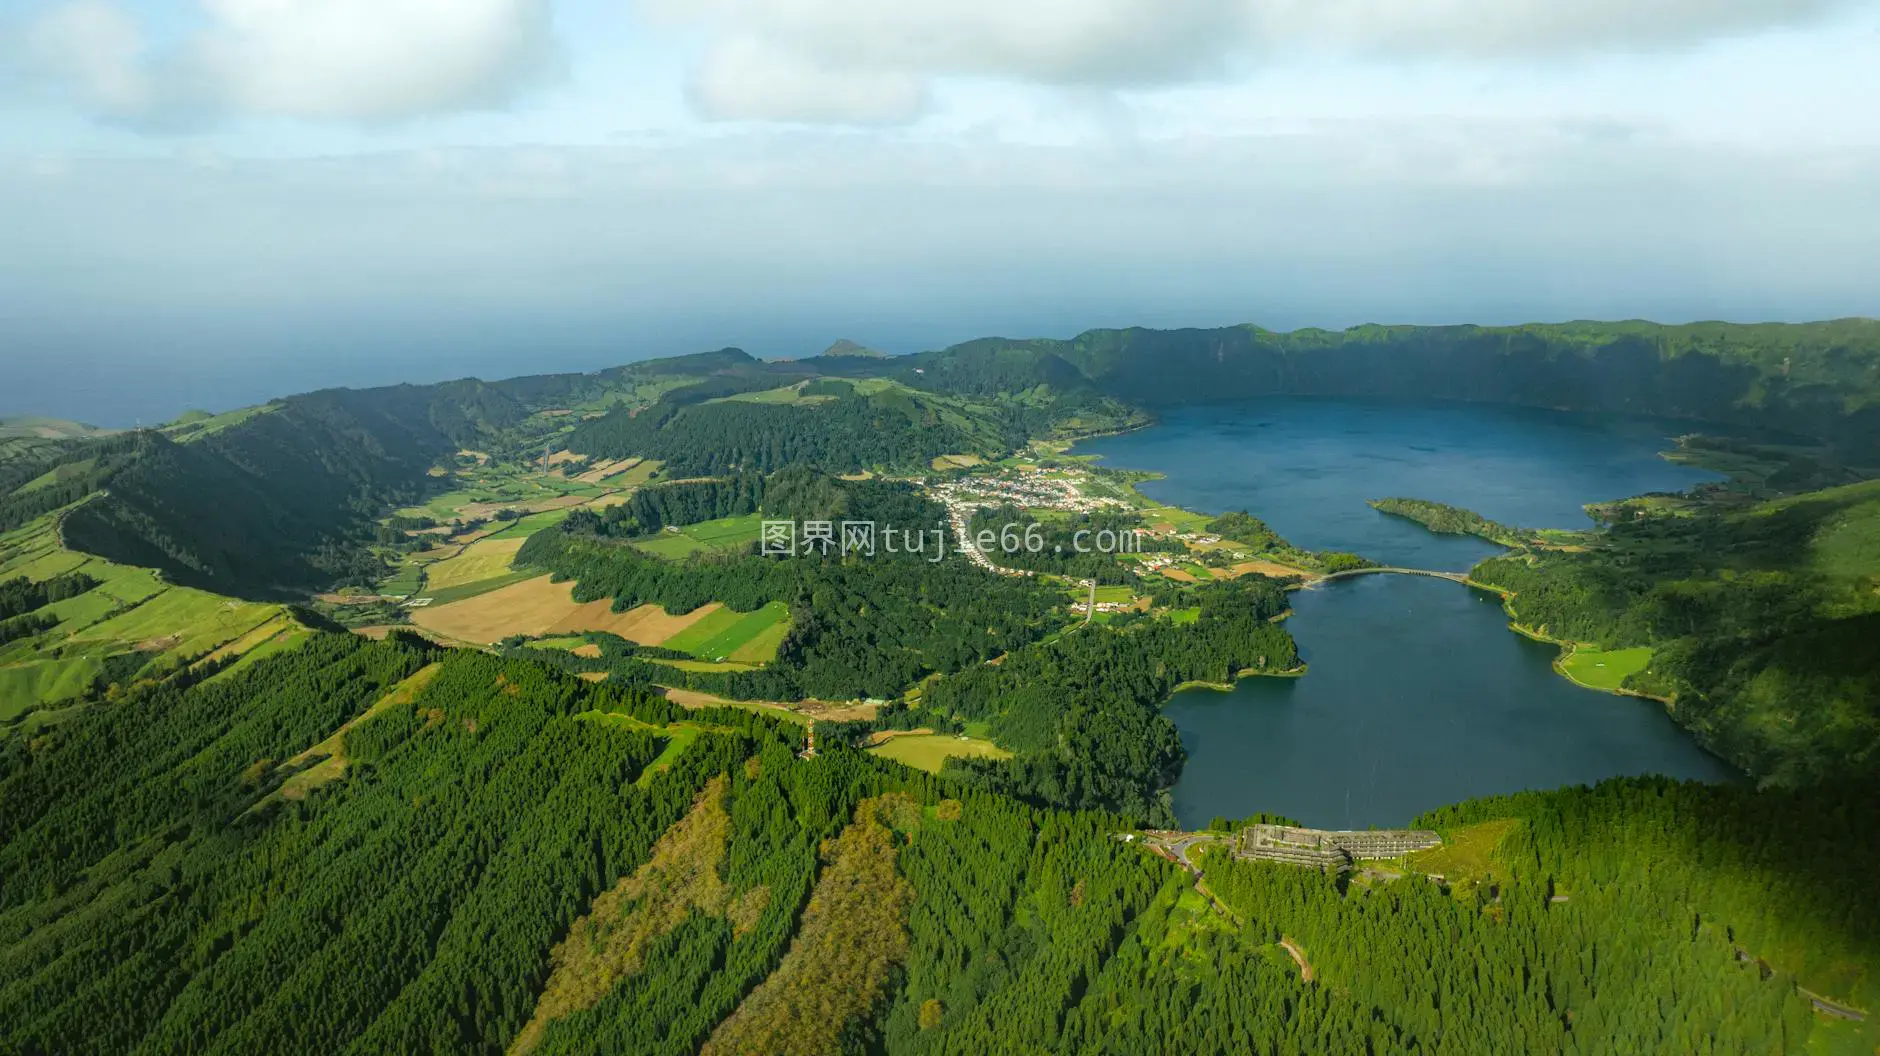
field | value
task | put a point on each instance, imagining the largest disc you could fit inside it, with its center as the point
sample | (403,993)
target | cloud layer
(346,60)
(830,61)
(160,280)
(864,60)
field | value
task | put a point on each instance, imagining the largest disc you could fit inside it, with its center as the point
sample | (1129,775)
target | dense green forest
(338,845)
(1451,520)
(864,626)
(650,509)
(842,433)
(1764,621)
(1253,533)
(281,500)
(515,860)
(1084,711)
(284,497)
(1813,379)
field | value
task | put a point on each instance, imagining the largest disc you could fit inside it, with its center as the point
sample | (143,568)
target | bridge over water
(1453,577)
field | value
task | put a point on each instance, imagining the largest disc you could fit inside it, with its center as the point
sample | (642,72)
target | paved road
(1454,577)
(1177,845)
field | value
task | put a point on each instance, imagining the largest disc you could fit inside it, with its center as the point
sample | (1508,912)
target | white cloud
(284,274)
(93,49)
(836,59)
(751,78)
(348,60)
(370,59)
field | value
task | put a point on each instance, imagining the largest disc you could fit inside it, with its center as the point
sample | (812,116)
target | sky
(205,203)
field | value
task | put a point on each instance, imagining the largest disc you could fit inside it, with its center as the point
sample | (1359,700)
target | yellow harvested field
(880,737)
(538,608)
(847,711)
(1179,576)
(1271,568)
(485,559)
(645,625)
(692,698)
(607,468)
(589,650)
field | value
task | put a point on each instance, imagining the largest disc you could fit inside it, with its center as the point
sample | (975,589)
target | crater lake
(1417,693)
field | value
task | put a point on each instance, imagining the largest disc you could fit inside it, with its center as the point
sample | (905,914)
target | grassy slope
(733,635)
(132,614)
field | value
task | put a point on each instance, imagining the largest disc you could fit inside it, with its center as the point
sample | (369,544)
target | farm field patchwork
(520,530)
(536,607)
(131,613)
(1270,568)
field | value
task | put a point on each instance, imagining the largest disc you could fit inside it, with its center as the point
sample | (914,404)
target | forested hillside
(1812,379)
(281,497)
(867,627)
(280,838)
(276,502)
(1764,621)
(840,432)
(383,848)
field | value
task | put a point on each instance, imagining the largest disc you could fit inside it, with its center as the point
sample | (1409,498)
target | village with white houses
(1059,489)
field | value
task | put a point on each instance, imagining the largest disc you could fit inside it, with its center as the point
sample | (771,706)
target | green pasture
(930,752)
(1607,669)
(673,546)
(787,394)
(705,666)
(746,637)
(1183,520)
(24,685)
(407,577)
(531,524)
(192,620)
(721,534)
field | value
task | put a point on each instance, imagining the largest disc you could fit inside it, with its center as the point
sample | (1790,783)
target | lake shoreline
(1419,696)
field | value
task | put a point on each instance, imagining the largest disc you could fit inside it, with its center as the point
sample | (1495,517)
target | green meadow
(930,752)
(722,534)
(743,637)
(1607,669)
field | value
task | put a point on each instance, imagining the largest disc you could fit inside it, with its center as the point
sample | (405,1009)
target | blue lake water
(1417,695)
